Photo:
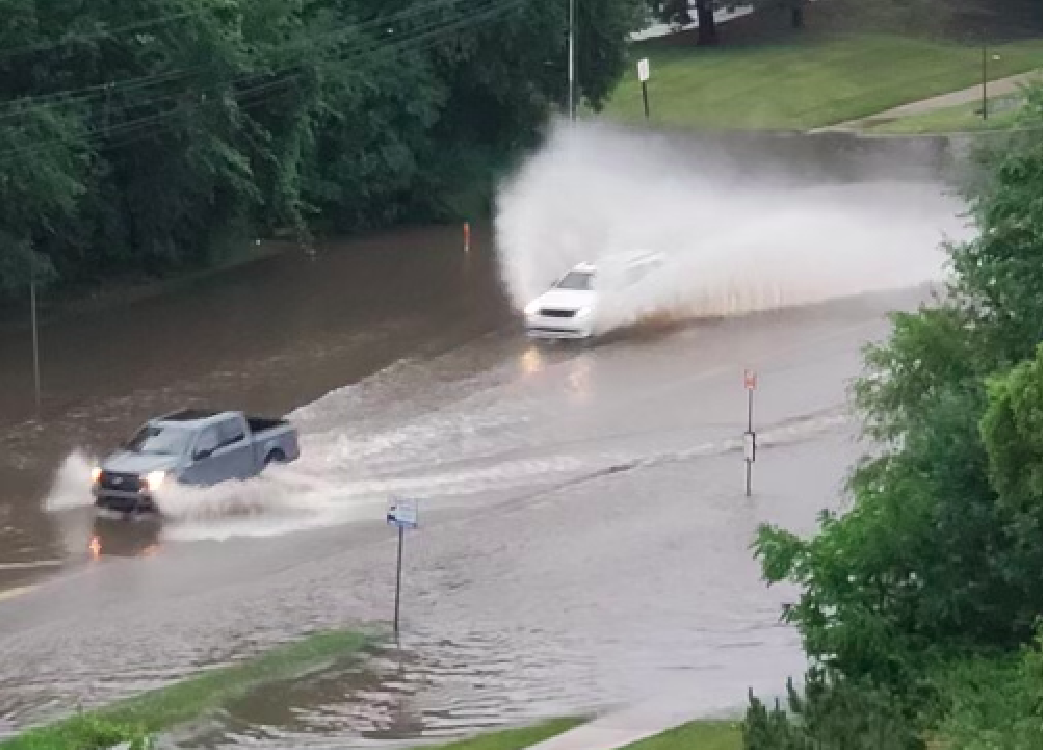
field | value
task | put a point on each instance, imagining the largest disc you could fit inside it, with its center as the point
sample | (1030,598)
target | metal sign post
(749,438)
(36,342)
(403,514)
(643,74)
(572,60)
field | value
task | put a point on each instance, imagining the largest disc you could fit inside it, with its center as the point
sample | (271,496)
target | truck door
(235,451)
(204,470)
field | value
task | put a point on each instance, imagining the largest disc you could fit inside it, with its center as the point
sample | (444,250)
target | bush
(833,714)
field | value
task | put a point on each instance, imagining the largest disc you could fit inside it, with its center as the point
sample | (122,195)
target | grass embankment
(698,735)
(135,719)
(804,84)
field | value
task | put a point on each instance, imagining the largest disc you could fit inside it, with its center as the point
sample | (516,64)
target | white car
(569,309)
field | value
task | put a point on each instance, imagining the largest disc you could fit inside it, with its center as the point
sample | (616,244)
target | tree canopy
(141,136)
(938,560)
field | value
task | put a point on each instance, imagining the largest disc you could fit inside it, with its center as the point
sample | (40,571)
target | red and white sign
(749,379)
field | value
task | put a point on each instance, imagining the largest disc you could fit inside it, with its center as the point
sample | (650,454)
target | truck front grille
(120,482)
(551,312)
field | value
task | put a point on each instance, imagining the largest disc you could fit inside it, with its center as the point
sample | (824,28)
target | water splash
(733,242)
(70,487)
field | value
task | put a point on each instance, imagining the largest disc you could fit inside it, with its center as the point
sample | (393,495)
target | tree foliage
(832,714)
(941,551)
(141,136)
(938,561)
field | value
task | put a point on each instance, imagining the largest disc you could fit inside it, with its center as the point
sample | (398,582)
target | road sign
(403,513)
(749,439)
(749,446)
(643,70)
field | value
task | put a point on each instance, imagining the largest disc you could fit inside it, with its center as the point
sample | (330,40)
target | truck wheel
(275,457)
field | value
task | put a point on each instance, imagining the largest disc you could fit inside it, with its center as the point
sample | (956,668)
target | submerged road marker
(749,438)
(402,513)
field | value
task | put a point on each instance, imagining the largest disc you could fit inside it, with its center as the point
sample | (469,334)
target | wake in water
(733,242)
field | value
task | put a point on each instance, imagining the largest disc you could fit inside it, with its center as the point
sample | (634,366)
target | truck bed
(263,424)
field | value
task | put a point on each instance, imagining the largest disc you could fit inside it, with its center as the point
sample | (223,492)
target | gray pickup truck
(199,448)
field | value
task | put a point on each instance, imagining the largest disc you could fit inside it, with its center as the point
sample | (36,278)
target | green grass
(810,83)
(962,118)
(515,739)
(698,735)
(137,718)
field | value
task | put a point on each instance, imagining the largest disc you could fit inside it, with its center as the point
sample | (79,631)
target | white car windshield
(577,280)
(162,441)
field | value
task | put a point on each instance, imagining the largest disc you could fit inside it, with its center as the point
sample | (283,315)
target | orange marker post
(467,237)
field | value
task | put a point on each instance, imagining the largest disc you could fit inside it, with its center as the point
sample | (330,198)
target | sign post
(749,438)
(36,335)
(643,74)
(403,514)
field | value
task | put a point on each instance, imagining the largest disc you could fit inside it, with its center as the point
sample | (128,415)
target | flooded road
(585,535)
(265,338)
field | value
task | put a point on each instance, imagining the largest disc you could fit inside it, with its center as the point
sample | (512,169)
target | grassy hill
(802,83)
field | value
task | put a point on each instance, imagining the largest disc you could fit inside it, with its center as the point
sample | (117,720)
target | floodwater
(584,534)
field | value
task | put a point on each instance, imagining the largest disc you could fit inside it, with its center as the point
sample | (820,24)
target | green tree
(941,550)
(140,137)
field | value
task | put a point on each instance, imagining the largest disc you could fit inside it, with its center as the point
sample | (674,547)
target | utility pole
(984,78)
(36,337)
(572,60)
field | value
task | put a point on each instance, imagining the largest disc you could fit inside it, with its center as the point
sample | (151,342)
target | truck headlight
(95,475)
(155,480)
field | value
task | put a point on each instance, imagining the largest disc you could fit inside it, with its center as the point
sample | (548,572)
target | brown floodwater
(265,338)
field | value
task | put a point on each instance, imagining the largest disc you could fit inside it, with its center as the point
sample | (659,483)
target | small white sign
(403,512)
(749,379)
(643,71)
(749,446)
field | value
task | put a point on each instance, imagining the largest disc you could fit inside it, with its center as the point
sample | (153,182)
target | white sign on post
(643,72)
(403,513)
(749,446)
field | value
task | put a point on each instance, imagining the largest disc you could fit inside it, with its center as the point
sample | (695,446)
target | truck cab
(191,447)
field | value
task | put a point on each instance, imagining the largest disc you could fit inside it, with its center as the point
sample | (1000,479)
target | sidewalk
(998,87)
(718,700)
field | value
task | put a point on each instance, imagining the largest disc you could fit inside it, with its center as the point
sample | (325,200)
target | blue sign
(403,513)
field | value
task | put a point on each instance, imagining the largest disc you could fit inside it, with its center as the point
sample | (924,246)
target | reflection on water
(130,537)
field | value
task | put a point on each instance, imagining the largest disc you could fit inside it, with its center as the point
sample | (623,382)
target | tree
(140,138)
(941,550)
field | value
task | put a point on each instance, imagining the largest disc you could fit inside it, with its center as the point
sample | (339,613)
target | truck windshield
(576,280)
(158,440)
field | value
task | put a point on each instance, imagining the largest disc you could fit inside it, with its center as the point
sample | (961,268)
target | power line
(429,38)
(95,91)
(111,89)
(6,54)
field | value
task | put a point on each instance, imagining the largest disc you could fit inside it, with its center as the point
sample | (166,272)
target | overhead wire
(133,83)
(248,98)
